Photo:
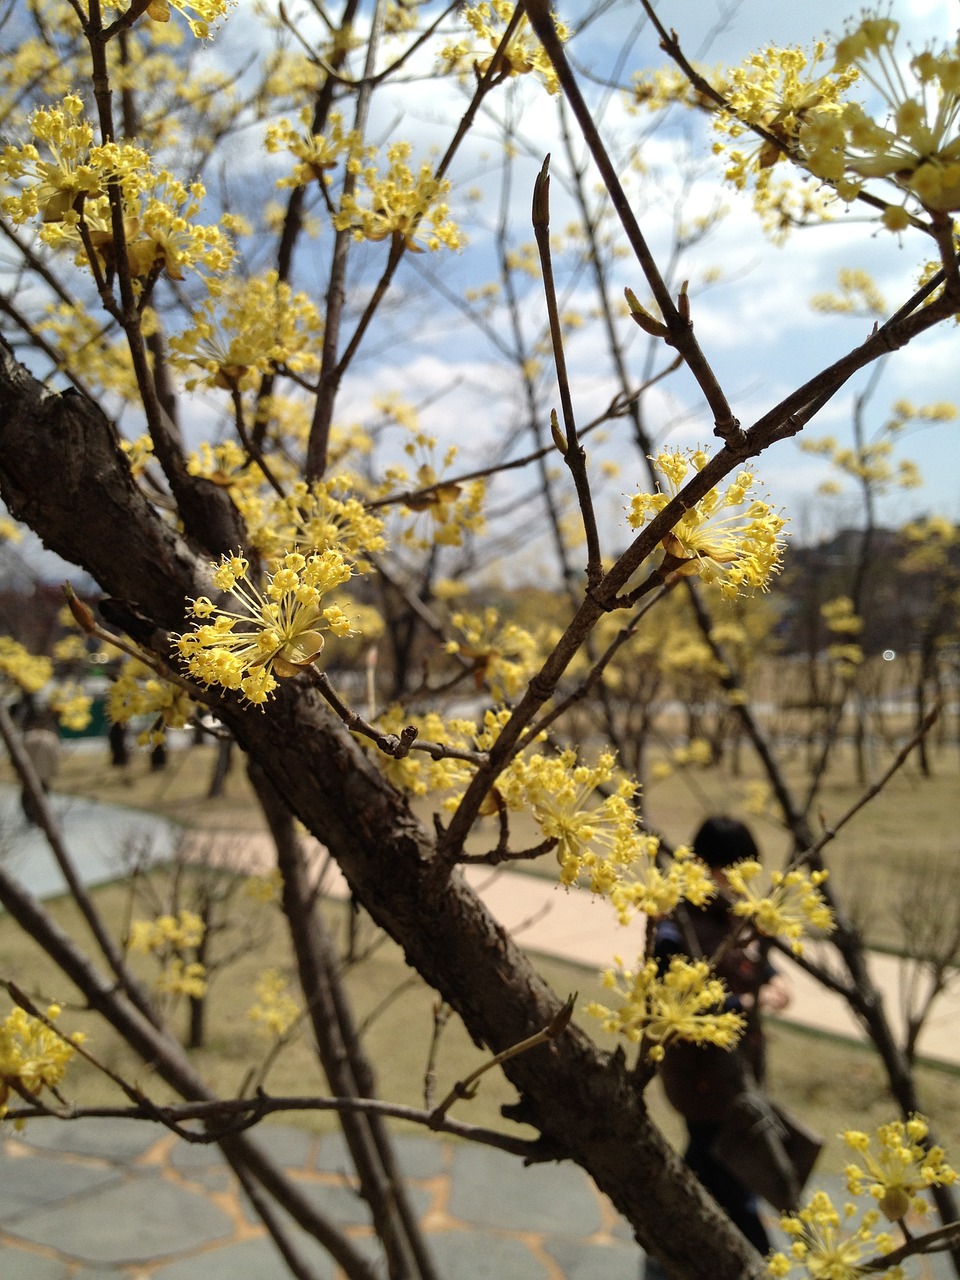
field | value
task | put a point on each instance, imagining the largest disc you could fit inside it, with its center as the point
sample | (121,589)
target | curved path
(116,1200)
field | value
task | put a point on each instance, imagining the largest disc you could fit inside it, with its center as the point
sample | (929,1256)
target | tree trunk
(583,1102)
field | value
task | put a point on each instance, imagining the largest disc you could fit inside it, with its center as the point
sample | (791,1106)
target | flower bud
(655,328)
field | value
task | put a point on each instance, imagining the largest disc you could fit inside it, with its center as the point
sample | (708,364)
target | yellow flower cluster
(166,933)
(899,1168)
(266,889)
(401,204)
(776,89)
(62,177)
(183,978)
(929,544)
(206,11)
(19,665)
(846,658)
(729,539)
(139,691)
(840,617)
(417,774)
(680,1005)
(273,636)
(504,655)
(229,465)
(449,509)
(77,334)
(788,906)
(74,171)
(163,235)
(655,89)
(657,885)
(827,1247)
(524,53)
(276,1011)
(315,518)
(316,154)
(599,839)
(870,463)
(71,706)
(919,146)
(31,1055)
(246,328)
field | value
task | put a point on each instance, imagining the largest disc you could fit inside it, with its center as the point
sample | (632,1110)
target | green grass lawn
(908,830)
(832,1085)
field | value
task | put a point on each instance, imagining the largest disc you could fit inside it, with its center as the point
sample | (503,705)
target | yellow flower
(787,907)
(247,328)
(31,1055)
(416,773)
(918,146)
(19,665)
(740,552)
(410,207)
(599,839)
(504,656)
(900,1167)
(522,55)
(825,1247)
(777,89)
(276,1011)
(166,932)
(845,657)
(681,1005)
(138,691)
(317,154)
(71,706)
(266,889)
(839,616)
(448,509)
(316,517)
(207,11)
(74,170)
(655,888)
(273,636)
(180,978)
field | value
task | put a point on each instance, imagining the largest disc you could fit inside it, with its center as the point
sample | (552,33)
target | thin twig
(467,1088)
(569,444)
(396,745)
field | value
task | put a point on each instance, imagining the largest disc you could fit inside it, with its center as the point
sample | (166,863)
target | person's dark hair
(722,841)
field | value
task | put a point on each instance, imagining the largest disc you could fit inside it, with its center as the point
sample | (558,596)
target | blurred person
(702,1081)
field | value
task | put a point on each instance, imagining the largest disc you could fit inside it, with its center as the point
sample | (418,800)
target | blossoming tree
(232,568)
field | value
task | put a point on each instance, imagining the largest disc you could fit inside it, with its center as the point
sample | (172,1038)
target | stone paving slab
(485,1216)
(28,1185)
(246,1260)
(142,1219)
(15,1264)
(493,1189)
(117,1140)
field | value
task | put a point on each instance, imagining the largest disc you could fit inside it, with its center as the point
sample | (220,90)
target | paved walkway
(573,925)
(115,1200)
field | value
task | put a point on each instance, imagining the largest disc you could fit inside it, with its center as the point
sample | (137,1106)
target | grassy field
(904,833)
(830,1084)
(908,830)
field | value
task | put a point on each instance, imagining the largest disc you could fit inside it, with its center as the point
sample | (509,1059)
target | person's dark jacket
(700,1081)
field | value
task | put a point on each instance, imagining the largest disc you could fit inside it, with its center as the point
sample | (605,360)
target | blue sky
(754,321)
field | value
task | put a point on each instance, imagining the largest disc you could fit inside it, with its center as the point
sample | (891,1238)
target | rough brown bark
(62,473)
